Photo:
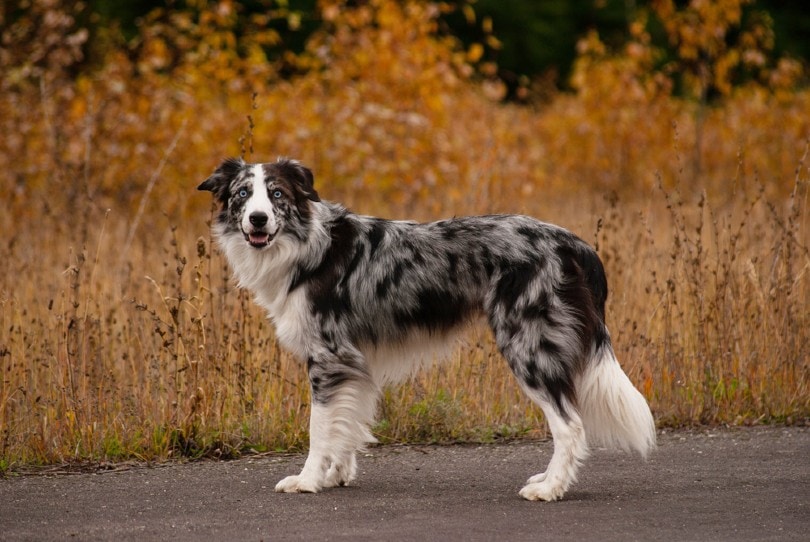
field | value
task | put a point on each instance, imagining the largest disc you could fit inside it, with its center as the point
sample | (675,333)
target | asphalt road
(718,484)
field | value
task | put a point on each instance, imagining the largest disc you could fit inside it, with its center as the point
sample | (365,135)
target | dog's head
(262,201)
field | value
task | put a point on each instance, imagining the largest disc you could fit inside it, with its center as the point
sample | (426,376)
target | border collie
(364,300)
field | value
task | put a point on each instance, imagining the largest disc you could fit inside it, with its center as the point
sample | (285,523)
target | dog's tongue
(258,238)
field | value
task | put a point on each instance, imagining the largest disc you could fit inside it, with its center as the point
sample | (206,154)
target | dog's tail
(614,413)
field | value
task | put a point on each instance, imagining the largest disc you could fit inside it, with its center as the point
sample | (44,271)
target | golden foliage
(700,33)
(383,103)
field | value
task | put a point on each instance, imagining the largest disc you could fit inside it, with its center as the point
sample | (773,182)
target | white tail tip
(614,413)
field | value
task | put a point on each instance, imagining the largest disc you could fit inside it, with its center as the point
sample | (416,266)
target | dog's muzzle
(258,236)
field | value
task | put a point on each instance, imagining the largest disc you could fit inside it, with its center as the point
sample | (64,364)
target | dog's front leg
(344,401)
(313,476)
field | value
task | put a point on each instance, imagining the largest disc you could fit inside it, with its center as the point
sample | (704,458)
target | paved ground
(738,484)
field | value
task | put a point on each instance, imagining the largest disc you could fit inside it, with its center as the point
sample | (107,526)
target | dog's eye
(243,193)
(277,194)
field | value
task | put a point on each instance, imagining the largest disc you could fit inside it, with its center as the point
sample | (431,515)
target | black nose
(258,219)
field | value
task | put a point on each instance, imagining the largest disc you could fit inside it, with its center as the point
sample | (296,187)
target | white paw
(340,474)
(297,484)
(542,491)
(537,478)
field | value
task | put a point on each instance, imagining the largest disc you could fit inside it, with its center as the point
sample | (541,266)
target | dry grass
(152,353)
(121,335)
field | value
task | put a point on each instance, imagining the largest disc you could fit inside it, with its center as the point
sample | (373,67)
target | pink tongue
(258,237)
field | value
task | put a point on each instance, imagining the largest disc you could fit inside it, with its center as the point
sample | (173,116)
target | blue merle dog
(365,300)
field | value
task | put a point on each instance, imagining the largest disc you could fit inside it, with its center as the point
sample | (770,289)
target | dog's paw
(542,491)
(338,476)
(341,473)
(297,484)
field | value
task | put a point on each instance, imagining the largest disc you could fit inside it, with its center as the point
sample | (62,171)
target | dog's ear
(300,175)
(220,181)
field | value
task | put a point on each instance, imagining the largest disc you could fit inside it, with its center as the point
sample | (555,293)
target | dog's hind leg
(545,359)
(344,400)
(547,380)
(570,449)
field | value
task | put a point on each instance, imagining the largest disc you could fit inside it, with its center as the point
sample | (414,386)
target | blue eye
(243,193)
(277,194)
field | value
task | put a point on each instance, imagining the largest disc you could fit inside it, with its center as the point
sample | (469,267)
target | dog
(363,300)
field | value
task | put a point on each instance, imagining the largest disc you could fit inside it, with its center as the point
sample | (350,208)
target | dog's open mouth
(258,239)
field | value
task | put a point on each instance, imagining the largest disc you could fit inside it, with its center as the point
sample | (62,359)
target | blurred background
(672,135)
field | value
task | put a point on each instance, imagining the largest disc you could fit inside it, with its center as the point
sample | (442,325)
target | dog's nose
(258,219)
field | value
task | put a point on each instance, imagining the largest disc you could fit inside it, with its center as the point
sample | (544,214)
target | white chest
(291,317)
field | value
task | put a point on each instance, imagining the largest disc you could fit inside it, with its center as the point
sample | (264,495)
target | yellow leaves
(486,25)
(330,11)
(475,52)
(387,111)
(155,55)
(591,45)
(294,21)
(637,29)
(702,34)
(722,70)
(786,75)
(388,15)
(469,13)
